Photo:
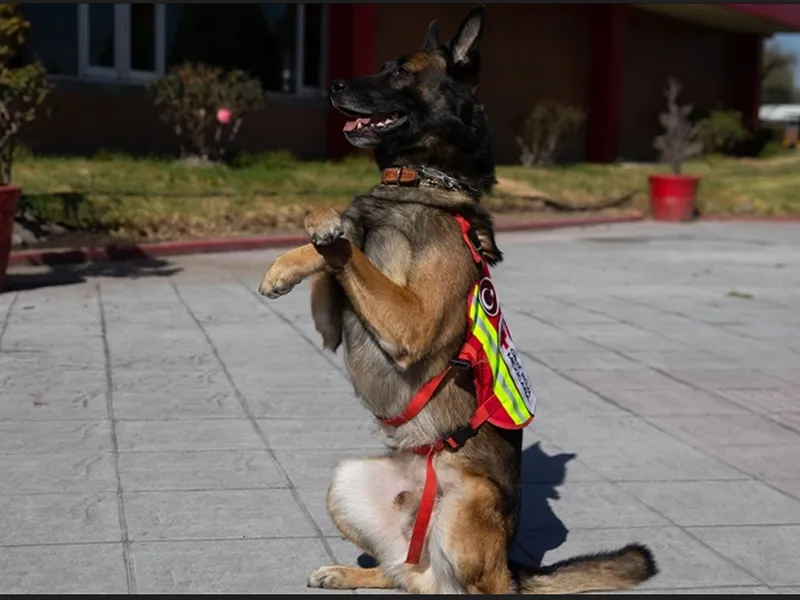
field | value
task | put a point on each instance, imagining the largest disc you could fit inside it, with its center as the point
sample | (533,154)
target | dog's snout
(338,86)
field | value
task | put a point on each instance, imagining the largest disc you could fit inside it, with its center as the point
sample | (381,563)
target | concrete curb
(65,256)
(750,218)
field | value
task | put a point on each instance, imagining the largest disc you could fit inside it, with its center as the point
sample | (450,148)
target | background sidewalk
(164,429)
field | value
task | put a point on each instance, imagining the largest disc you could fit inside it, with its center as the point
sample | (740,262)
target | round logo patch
(488,297)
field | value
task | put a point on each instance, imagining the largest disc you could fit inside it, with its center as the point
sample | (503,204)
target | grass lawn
(147,199)
(768,186)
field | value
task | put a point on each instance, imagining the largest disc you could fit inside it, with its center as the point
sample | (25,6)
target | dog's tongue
(351,125)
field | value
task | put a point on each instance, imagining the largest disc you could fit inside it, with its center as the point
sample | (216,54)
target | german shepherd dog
(390,276)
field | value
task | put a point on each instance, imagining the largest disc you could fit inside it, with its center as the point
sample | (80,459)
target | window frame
(299,66)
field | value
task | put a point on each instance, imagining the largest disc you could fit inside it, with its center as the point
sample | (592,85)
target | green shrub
(540,134)
(205,106)
(22,152)
(722,131)
(23,88)
(772,149)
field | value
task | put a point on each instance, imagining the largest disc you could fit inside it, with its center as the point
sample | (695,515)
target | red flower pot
(9,199)
(672,197)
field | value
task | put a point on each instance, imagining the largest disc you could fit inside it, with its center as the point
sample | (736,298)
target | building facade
(610,60)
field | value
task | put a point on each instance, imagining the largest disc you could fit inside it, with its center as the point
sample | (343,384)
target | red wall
(352,52)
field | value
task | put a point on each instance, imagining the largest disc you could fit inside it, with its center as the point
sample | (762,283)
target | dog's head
(422,107)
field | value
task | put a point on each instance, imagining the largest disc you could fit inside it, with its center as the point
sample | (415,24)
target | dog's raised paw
(324,226)
(330,577)
(276,283)
(275,292)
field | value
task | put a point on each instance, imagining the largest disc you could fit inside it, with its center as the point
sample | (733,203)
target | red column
(749,47)
(352,52)
(605,84)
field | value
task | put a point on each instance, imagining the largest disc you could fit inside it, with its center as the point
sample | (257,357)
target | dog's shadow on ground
(540,530)
(69,274)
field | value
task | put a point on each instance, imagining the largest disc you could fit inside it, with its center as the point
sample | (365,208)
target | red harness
(468,358)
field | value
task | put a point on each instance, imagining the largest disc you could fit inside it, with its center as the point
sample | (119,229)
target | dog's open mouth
(364,129)
(374,123)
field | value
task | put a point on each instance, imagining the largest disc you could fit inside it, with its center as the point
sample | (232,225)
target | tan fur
(384,304)
(349,578)
(420,61)
(478,535)
(623,569)
(295,266)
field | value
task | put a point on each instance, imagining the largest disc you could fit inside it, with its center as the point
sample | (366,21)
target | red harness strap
(453,441)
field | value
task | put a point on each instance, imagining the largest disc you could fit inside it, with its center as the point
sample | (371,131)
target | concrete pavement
(163,429)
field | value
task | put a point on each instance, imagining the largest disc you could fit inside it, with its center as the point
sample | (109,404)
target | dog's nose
(338,86)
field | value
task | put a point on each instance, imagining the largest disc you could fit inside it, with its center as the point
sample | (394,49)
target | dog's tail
(606,571)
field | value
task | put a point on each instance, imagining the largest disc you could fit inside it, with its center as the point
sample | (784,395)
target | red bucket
(672,197)
(9,200)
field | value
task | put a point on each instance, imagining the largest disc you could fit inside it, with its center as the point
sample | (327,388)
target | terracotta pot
(672,197)
(9,200)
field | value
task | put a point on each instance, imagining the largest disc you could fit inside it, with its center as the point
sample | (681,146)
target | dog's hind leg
(469,541)
(361,503)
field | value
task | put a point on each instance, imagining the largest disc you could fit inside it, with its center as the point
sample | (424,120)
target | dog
(389,279)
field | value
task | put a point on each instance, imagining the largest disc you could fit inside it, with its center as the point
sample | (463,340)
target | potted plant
(22,89)
(672,196)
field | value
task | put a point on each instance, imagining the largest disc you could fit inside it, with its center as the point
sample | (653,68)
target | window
(121,42)
(142,28)
(281,44)
(100,30)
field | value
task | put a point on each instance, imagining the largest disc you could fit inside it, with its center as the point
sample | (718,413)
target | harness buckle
(460,363)
(457,438)
(473,237)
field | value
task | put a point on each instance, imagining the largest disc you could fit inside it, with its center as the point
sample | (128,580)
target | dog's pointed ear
(432,40)
(464,45)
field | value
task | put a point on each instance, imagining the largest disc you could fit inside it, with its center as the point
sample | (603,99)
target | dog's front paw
(278,281)
(324,226)
(330,577)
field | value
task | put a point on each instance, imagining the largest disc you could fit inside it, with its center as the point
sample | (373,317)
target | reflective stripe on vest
(508,379)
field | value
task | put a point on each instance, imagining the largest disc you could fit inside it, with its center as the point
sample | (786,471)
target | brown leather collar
(400,176)
(421,175)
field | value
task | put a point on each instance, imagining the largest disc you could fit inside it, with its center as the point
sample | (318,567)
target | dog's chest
(372,372)
(387,236)
(390,251)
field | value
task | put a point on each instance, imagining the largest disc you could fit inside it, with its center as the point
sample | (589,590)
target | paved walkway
(163,429)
